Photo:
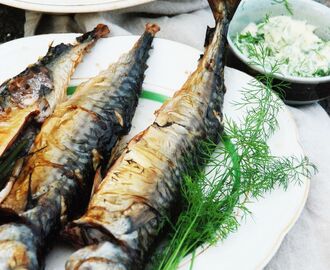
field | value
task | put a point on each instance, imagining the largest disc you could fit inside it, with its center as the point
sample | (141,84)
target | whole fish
(74,141)
(27,99)
(140,189)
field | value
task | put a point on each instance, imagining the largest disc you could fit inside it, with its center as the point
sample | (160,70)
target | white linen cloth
(307,246)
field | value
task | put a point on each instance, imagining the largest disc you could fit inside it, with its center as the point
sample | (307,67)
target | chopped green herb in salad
(292,43)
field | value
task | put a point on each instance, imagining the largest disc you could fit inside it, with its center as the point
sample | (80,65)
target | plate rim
(294,219)
(78,8)
(284,232)
(279,239)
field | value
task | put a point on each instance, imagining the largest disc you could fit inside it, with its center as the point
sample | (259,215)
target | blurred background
(173,16)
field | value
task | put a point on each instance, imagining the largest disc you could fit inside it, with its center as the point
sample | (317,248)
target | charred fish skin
(30,97)
(58,175)
(84,129)
(126,210)
(45,78)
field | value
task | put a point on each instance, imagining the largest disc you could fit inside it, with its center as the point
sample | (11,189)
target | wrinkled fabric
(307,246)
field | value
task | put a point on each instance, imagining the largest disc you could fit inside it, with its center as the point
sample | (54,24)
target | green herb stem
(286,4)
(239,170)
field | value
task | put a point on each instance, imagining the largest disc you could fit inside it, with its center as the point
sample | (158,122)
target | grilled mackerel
(56,182)
(29,98)
(125,213)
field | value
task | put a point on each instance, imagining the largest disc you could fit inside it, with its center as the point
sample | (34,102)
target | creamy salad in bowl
(289,43)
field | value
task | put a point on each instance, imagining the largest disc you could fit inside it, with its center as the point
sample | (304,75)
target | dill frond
(286,4)
(240,169)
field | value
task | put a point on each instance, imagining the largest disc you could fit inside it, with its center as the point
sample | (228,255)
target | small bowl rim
(289,78)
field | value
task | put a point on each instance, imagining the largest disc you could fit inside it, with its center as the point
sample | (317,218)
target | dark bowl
(298,90)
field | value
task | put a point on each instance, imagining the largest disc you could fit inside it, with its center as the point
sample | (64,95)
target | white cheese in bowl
(289,44)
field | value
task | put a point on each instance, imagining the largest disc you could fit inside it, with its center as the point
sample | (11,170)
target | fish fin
(220,6)
(97,159)
(220,10)
(101,169)
(116,152)
(209,35)
(50,46)
(29,199)
(142,219)
(97,180)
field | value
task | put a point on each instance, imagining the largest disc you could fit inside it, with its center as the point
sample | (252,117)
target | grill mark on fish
(27,99)
(48,192)
(193,114)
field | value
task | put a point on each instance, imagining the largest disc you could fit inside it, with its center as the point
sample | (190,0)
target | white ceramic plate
(260,235)
(73,6)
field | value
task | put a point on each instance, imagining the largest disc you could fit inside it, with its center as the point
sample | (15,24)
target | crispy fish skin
(126,211)
(56,181)
(31,96)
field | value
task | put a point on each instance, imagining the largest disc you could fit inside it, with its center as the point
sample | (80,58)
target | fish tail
(141,48)
(221,15)
(152,28)
(219,7)
(88,38)
(101,30)
(213,61)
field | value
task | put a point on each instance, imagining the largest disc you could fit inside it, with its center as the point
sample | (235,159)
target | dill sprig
(286,4)
(240,169)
